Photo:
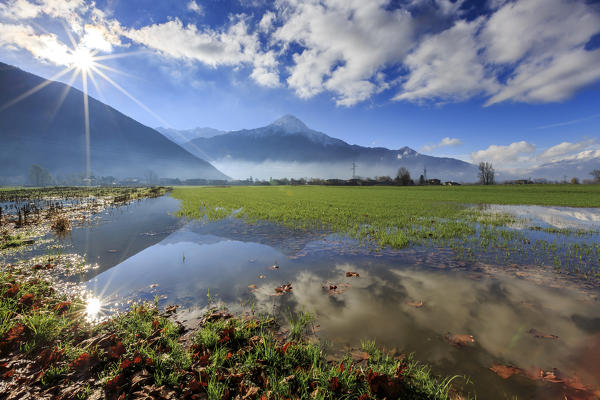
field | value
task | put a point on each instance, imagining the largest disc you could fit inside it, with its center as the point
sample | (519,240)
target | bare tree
(486,173)
(151,177)
(596,174)
(39,176)
(403,176)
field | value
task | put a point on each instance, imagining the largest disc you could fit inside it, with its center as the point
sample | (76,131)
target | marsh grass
(12,241)
(143,350)
(424,217)
(61,225)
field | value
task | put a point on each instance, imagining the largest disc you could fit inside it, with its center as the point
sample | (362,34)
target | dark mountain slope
(40,130)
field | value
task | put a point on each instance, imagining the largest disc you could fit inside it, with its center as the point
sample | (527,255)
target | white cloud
(445,142)
(25,9)
(266,22)
(425,50)
(552,79)
(19,9)
(546,39)
(45,47)
(344,45)
(522,157)
(97,37)
(537,28)
(565,150)
(503,155)
(584,155)
(447,66)
(232,46)
(195,7)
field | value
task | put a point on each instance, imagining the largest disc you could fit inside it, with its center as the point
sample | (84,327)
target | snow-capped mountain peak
(291,124)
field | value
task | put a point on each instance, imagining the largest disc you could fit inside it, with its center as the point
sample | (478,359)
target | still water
(144,251)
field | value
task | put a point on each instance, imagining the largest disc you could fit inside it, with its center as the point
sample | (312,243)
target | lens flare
(85,62)
(93,308)
(83,59)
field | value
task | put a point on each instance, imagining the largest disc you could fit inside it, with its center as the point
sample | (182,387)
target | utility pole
(353,170)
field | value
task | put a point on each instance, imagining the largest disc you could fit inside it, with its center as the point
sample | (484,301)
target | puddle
(142,250)
(553,217)
(222,259)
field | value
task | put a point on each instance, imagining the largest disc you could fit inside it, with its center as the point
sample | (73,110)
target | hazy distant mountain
(41,130)
(287,147)
(181,136)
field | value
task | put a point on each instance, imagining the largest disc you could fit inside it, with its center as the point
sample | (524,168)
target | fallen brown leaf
(286,288)
(352,274)
(541,335)
(459,340)
(415,304)
(504,371)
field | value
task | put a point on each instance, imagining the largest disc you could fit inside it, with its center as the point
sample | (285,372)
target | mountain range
(185,135)
(48,128)
(288,148)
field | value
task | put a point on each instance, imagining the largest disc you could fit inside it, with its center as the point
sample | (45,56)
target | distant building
(450,183)
(434,181)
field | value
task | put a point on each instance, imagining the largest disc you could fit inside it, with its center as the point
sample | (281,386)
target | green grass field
(403,216)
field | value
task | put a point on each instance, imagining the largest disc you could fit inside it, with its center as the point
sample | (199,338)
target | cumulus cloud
(445,142)
(565,149)
(423,50)
(45,47)
(520,157)
(343,45)
(447,66)
(232,46)
(546,38)
(514,152)
(266,22)
(25,9)
(195,7)
(19,9)
(584,155)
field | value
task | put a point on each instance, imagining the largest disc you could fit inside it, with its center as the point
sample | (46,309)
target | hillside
(41,130)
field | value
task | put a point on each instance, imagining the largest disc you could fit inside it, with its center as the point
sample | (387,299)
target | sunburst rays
(86,63)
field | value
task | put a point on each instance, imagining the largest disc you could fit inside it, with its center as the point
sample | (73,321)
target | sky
(516,83)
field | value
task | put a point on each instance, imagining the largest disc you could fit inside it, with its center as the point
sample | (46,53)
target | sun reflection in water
(93,308)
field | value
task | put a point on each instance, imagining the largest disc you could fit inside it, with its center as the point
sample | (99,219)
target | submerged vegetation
(50,349)
(53,346)
(27,214)
(413,216)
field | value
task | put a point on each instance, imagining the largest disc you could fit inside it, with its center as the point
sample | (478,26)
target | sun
(82,59)
(93,308)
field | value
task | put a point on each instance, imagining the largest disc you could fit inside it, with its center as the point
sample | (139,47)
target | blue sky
(515,82)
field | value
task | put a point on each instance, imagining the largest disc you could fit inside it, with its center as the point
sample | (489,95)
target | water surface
(202,262)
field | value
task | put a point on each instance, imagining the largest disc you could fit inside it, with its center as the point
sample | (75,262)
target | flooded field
(409,300)
(504,326)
